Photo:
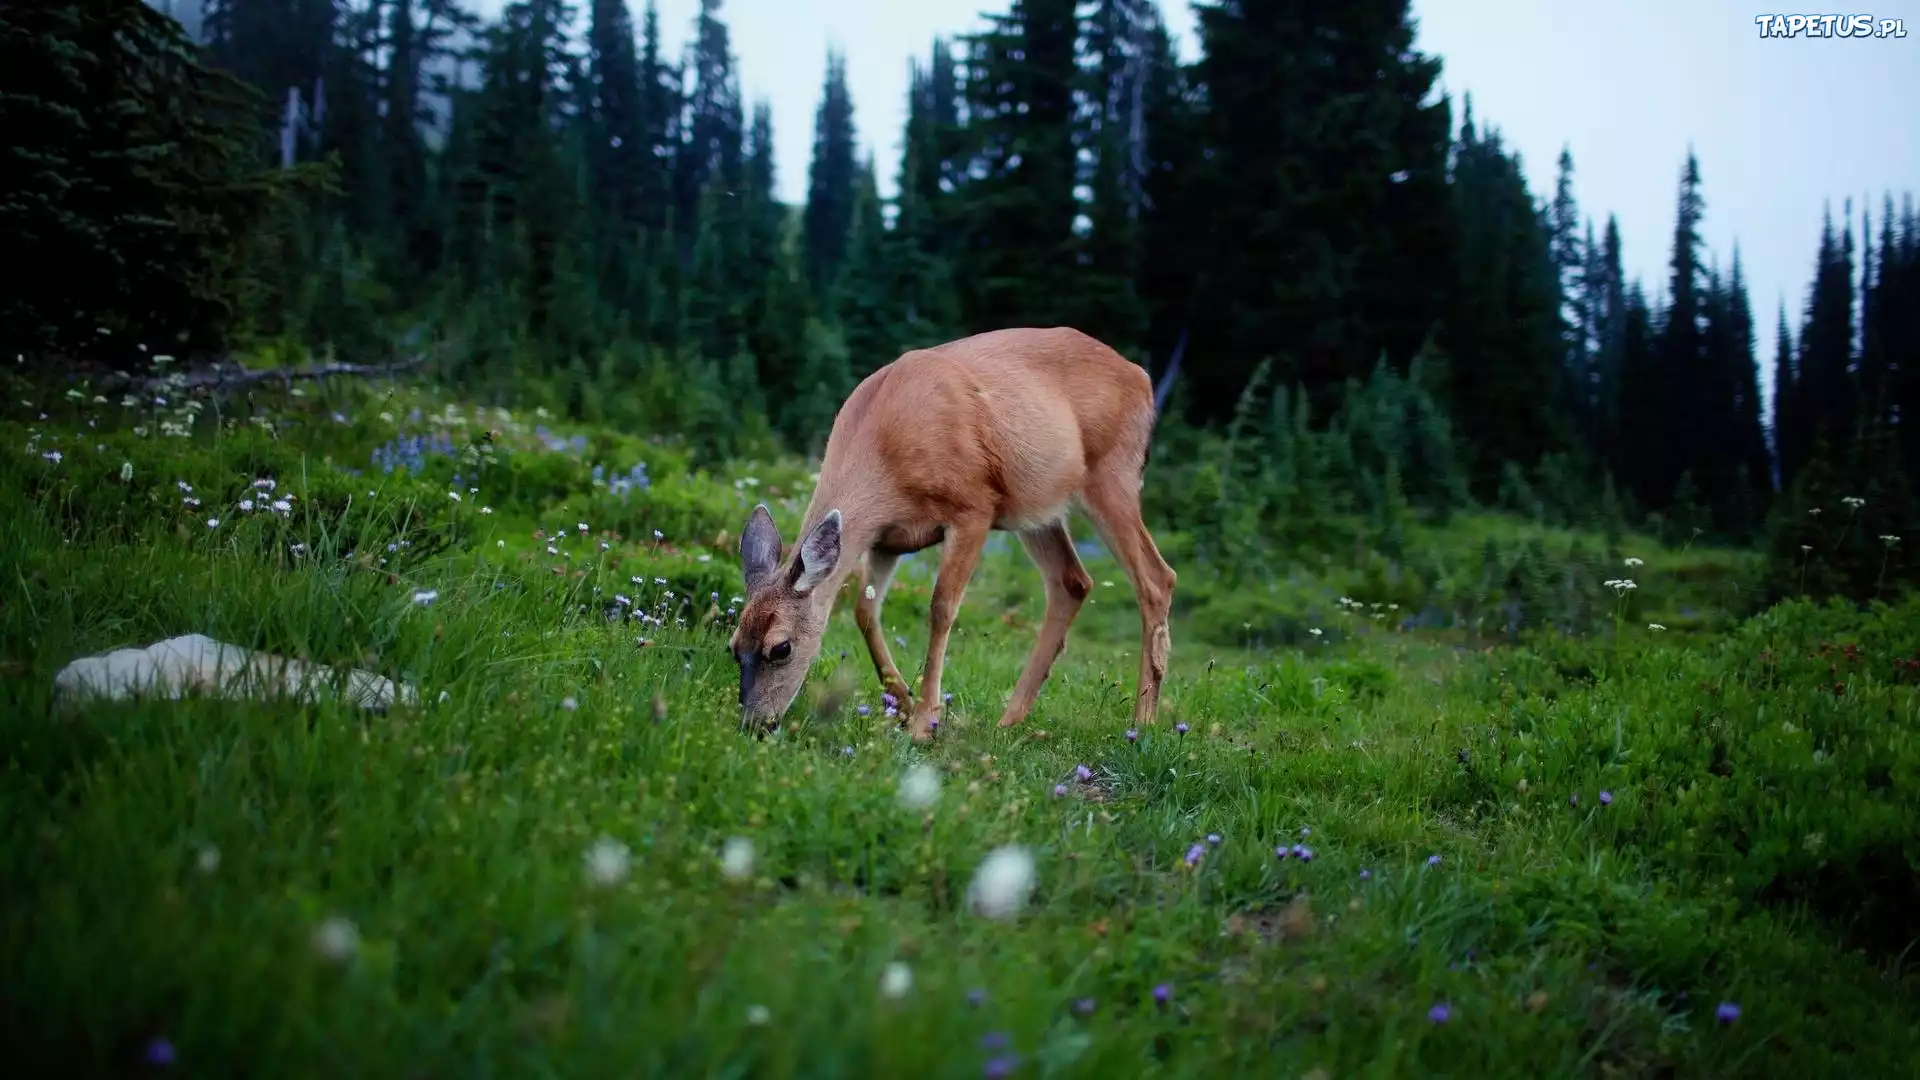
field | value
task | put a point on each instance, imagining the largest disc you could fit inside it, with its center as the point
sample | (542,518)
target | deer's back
(1013,418)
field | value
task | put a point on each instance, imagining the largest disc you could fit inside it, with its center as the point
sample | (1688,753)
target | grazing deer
(999,431)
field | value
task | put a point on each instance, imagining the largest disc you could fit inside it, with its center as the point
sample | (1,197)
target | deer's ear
(819,553)
(760,547)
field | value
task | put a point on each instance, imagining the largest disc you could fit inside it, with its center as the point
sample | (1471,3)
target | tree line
(1287,216)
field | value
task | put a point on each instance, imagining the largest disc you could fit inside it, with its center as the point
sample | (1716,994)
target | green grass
(1759,846)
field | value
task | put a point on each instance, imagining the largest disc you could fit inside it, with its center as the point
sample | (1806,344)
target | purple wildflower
(1083,773)
(948,696)
(1440,1013)
(1433,860)
(1282,851)
(1163,993)
(1084,1006)
(1213,839)
(1303,853)
(1365,874)
(1059,790)
(863,708)
(1001,1065)
(1305,831)
(1181,728)
(1606,798)
(993,1040)
(847,750)
(1573,799)
(1194,853)
(1727,1012)
(976,997)
(889,701)
(1133,736)
(160,1052)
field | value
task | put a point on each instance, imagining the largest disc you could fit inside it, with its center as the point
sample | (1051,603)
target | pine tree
(831,179)
(1114,142)
(1826,342)
(1687,420)
(1790,442)
(1570,262)
(134,167)
(711,155)
(659,107)
(1014,213)
(1321,221)
(918,256)
(618,150)
(1503,330)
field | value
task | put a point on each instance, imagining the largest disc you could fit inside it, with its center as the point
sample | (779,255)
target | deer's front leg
(876,576)
(959,554)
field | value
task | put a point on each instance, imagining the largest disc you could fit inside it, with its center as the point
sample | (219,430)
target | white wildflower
(207,860)
(426,596)
(1633,561)
(569,703)
(1655,626)
(336,939)
(736,859)
(454,495)
(213,523)
(126,472)
(759,1016)
(1002,883)
(895,981)
(1314,630)
(608,861)
(920,787)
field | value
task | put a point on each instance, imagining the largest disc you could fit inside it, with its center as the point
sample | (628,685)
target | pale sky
(1779,125)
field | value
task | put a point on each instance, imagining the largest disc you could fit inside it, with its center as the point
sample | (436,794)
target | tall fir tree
(832,179)
(1014,210)
(1505,386)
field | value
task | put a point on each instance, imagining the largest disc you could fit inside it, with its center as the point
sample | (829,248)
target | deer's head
(778,635)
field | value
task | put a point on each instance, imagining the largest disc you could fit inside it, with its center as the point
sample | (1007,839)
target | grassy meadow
(1371,836)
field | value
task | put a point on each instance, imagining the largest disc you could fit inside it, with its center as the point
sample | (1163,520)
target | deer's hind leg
(1051,548)
(1112,499)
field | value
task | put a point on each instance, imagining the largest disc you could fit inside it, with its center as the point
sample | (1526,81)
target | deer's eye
(781,653)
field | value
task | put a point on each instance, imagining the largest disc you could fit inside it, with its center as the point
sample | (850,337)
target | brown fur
(1000,431)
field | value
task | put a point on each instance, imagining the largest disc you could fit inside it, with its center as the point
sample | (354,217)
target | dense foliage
(1295,212)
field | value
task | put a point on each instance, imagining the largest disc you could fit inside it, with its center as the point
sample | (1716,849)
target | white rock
(197,664)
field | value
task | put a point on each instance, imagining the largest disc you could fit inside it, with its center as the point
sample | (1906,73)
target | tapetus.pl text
(1830,26)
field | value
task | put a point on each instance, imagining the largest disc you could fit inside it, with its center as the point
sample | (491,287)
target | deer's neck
(859,525)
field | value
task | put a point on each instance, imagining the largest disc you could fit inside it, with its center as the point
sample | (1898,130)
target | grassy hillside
(1374,832)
